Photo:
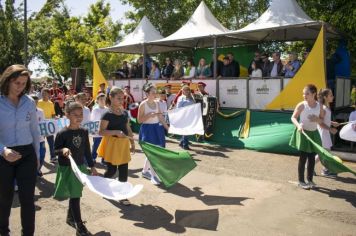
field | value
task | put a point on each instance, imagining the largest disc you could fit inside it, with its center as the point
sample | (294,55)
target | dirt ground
(231,192)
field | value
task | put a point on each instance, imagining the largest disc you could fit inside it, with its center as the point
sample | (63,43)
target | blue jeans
(50,141)
(184,141)
(42,153)
(96,142)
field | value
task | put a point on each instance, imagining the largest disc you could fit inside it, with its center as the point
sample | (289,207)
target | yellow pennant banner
(98,77)
(311,72)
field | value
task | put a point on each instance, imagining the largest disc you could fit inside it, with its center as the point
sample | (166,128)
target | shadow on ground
(348,196)
(149,217)
(209,200)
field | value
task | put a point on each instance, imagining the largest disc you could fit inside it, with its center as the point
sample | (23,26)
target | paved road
(231,192)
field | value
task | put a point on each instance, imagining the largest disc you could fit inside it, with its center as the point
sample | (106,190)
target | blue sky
(81,7)
(77,8)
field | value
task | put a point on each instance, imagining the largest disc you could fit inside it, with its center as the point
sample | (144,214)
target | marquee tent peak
(280,13)
(132,43)
(284,20)
(201,24)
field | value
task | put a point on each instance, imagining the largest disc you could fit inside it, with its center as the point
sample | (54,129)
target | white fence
(242,92)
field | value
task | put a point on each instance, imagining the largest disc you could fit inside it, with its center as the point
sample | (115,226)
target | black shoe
(39,174)
(70,220)
(82,230)
(186,148)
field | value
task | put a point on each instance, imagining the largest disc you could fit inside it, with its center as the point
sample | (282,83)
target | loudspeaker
(78,79)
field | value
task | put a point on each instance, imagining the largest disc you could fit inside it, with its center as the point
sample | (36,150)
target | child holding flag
(326,97)
(72,140)
(117,139)
(306,111)
(152,128)
(185,100)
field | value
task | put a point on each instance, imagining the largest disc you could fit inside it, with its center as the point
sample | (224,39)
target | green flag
(332,163)
(170,166)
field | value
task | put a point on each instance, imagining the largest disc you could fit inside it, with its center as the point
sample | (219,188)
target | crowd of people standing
(227,66)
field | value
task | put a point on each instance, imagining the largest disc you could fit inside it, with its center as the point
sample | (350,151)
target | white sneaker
(311,184)
(155,180)
(146,174)
(303,185)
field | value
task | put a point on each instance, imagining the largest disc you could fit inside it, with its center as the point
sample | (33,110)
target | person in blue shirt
(292,67)
(185,100)
(19,147)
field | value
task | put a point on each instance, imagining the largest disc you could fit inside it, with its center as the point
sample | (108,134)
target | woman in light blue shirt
(155,72)
(19,147)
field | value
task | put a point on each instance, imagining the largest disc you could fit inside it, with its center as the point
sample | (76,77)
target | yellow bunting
(230,115)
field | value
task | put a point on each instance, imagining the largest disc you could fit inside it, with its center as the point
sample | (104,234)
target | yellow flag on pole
(311,72)
(98,77)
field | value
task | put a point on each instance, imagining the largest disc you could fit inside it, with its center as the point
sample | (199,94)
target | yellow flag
(245,132)
(98,77)
(311,72)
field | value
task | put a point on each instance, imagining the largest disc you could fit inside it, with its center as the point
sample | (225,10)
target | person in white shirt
(189,71)
(82,99)
(162,98)
(41,117)
(352,117)
(326,97)
(256,70)
(96,115)
(170,96)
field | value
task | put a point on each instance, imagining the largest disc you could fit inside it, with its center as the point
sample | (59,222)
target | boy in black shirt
(72,140)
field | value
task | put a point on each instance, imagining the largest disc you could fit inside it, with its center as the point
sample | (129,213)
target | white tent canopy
(284,20)
(133,43)
(197,32)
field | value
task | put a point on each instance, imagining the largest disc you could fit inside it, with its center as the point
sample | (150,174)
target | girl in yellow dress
(117,139)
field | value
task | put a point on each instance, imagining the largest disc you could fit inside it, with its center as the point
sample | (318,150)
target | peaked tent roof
(133,42)
(197,32)
(284,20)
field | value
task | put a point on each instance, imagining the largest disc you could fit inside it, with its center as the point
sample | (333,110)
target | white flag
(107,188)
(186,120)
(348,133)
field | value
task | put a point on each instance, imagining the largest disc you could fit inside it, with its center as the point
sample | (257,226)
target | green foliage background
(63,41)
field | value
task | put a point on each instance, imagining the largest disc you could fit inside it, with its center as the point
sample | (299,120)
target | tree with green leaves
(11,35)
(339,13)
(64,42)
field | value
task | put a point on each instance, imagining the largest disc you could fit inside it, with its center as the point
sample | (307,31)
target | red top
(57,95)
(128,99)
